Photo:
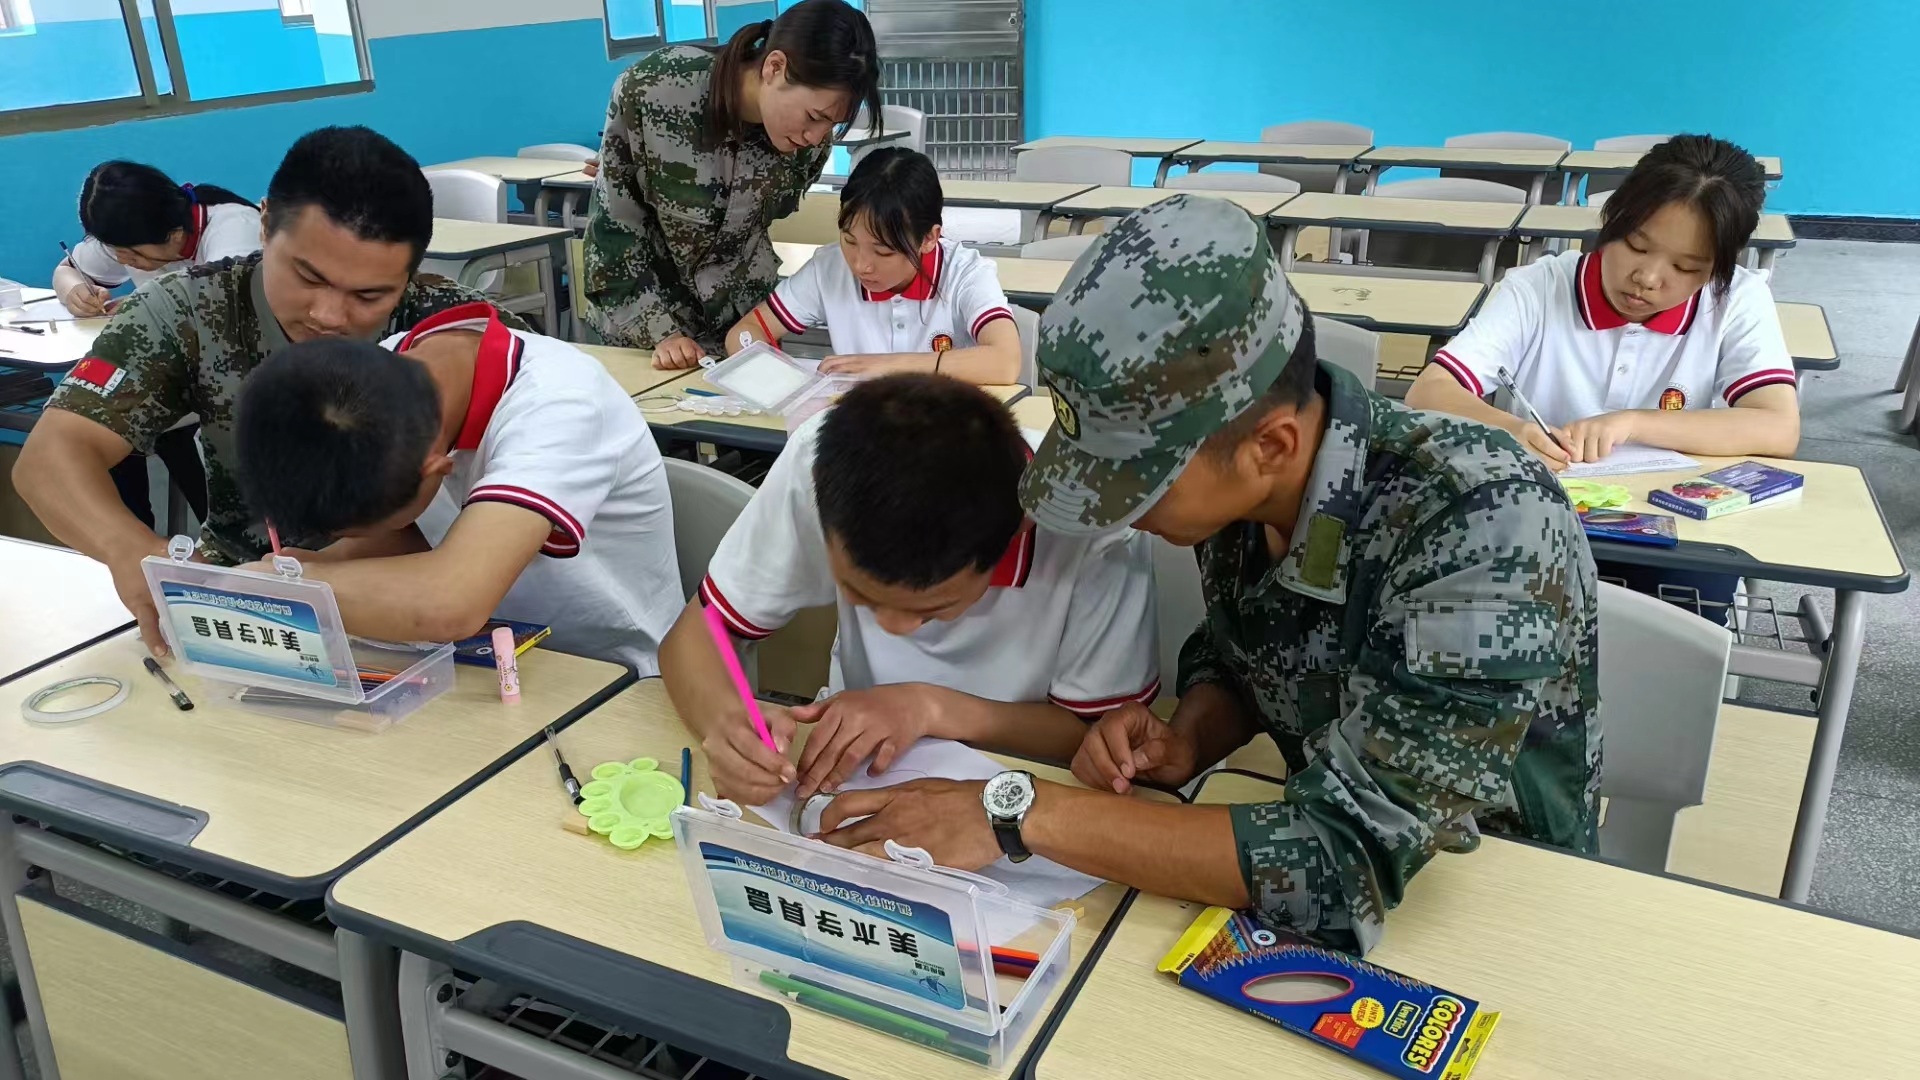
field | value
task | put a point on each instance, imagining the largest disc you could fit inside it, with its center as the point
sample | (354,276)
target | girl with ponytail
(141,224)
(704,149)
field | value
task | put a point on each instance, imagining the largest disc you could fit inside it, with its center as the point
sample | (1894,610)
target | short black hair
(1293,387)
(126,204)
(896,192)
(1716,177)
(331,436)
(361,181)
(918,477)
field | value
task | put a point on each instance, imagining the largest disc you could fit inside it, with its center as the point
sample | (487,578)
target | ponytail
(210,195)
(828,44)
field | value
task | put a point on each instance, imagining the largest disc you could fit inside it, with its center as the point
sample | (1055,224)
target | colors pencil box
(1629,527)
(1397,1025)
(1727,491)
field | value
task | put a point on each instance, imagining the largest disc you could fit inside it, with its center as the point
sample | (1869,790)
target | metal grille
(972,107)
(309,911)
(636,1054)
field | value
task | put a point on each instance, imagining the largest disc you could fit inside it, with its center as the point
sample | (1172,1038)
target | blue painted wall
(1831,88)
(492,111)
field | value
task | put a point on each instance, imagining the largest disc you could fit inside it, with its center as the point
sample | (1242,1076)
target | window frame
(11,24)
(618,47)
(296,18)
(179,101)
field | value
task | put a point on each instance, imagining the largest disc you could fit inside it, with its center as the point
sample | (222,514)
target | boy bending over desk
(958,617)
(1627,342)
(1402,600)
(564,517)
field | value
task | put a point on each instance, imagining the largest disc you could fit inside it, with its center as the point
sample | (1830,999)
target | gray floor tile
(1870,861)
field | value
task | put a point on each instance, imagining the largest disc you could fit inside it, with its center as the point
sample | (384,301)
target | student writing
(140,224)
(1648,338)
(893,294)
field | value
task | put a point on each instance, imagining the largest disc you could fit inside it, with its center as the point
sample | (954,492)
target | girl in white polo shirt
(894,295)
(140,224)
(1656,336)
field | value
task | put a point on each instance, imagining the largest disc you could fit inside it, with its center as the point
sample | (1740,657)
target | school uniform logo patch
(1673,399)
(942,342)
(96,374)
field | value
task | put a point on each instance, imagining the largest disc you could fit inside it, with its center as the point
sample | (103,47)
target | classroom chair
(705,502)
(1070,165)
(1233,181)
(467,195)
(817,221)
(1906,385)
(1662,670)
(1439,251)
(1064,248)
(1345,345)
(1550,189)
(893,117)
(1315,177)
(1027,322)
(1619,144)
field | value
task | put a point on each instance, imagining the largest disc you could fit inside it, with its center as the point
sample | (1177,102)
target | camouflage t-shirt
(1424,653)
(676,231)
(182,344)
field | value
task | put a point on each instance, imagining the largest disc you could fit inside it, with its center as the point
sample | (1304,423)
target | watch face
(1008,795)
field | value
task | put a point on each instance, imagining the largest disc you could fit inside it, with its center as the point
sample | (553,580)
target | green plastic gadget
(629,801)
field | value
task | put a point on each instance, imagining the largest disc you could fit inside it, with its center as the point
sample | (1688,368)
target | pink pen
(506,663)
(723,641)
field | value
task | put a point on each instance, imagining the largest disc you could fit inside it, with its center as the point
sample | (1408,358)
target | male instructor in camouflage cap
(1403,600)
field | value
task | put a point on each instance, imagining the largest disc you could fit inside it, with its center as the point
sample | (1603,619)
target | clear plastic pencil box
(902,947)
(769,379)
(280,639)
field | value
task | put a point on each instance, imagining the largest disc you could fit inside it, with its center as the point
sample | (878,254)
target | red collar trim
(494,366)
(196,227)
(1014,567)
(1598,313)
(921,287)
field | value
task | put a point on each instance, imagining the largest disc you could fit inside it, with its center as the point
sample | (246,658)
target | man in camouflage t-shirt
(1403,600)
(347,219)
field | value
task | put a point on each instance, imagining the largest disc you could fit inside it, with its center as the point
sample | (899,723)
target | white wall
(398,18)
(53,11)
(221,7)
(330,17)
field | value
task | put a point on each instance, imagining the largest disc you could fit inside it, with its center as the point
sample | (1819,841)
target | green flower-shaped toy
(627,802)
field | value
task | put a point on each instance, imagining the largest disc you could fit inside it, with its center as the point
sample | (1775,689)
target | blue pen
(694,392)
(686,775)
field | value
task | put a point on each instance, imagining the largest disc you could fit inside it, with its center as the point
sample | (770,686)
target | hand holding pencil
(747,756)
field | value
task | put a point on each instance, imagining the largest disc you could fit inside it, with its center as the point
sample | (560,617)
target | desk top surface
(56,599)
(1136,147)
(454,239)
(577,179)
(1622,161)
(1598,971)
(1584,221)
(1011,195)
(632,368)
(1261,153)
(1406,305)
(60,343)
(499,855)
(1116,200)
(514,170)
(1536,160)
(1321,208)
(1809,338)
(291,801)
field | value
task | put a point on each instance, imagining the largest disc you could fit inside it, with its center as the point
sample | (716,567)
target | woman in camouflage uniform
(703,150)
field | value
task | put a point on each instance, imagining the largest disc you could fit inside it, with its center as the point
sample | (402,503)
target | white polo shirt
(549,430)
(223,231)
(1067,619)
(1551,326)
(956,295)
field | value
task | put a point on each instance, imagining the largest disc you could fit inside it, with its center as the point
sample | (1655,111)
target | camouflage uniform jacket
(677,232)
(1424,654)
(182,344)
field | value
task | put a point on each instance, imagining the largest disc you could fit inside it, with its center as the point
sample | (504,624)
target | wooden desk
(1008,195)
(1479,159)
(57,600)
(1601,972)
(1809,338)
(513,170)
(1494,221)
(1106,201)
(1148,148)
(480,246)
(1583,223)
(497,863)
(1580,163)
(632,368)
(1390,304)
(1201,154)
(63,343)
(1831,536)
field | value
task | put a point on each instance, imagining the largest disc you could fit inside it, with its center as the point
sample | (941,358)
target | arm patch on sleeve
(1508,640)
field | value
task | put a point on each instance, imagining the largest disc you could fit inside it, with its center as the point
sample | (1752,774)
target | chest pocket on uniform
(1504,640)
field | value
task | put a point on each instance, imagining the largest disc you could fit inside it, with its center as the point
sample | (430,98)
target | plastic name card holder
(282,640)
(904,947)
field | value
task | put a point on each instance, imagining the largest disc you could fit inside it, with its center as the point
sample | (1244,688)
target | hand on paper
(88,300)
(855,724)
(1131,743)
(744,770)
(1535,438)
(944,817)
(1596,436)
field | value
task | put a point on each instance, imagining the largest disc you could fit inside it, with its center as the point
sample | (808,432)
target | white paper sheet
(1040,882)
(48,310)
(1630,458)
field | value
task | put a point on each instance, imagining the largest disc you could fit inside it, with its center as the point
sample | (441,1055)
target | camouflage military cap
(1169,327)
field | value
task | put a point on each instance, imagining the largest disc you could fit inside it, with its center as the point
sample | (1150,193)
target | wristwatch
(1007,798)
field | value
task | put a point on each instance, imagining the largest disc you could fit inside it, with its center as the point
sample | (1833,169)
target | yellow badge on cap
(1063,412)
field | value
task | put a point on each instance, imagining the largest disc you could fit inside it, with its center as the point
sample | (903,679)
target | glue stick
(506,663)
